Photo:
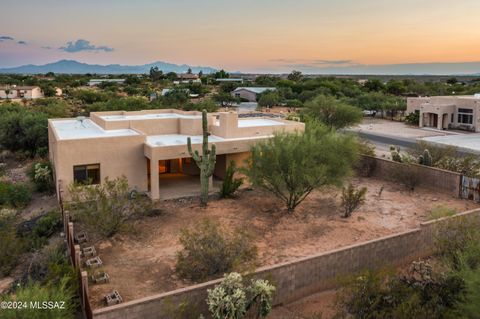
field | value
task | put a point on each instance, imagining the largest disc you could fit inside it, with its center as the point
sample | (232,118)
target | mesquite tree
(206,162)
(292,165)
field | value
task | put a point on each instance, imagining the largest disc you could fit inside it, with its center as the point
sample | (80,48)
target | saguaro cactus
(206,162)
(426,158)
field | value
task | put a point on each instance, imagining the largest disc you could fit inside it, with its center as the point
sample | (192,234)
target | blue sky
(262,35)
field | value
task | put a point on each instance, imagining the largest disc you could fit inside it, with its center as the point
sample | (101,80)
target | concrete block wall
(299,278)
(429,177)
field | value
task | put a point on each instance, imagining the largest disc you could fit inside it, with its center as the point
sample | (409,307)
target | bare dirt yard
(142,262)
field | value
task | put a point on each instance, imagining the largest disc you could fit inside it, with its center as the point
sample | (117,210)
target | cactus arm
(194,155)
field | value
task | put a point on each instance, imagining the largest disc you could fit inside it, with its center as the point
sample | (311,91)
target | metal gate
(470,188)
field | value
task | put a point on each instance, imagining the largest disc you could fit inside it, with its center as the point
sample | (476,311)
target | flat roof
(148,116)
(179,139)
(258,122)
(73,129)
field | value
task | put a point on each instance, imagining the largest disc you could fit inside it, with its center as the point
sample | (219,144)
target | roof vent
(81,119)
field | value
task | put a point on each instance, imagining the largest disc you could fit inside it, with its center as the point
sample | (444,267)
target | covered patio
(178,185)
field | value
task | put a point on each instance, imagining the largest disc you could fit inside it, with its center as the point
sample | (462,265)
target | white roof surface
(76,129)
(178,139)
(258,122)
(148,117)
(255,89)
(465,141)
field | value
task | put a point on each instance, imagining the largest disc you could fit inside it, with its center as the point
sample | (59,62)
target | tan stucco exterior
(132,143)
(21,92)
(444,112)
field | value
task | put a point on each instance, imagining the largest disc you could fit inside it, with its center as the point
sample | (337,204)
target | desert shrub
(436,152)
(231,299)
(11,245)
(23,130)
(57,294)
(292,165)
(206,104)
(230,184)
(467,165)
(440,212)
(352,198)
(208,250)
(48,224)
(41,174)
(14,195)
(112,202)
(419,294)
(458,242)
(406,175)
(38,230)
(413,118)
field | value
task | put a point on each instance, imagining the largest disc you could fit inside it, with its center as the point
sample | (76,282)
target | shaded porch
(180,177)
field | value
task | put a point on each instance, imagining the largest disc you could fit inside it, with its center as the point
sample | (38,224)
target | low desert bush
(11,246)
(231,299)
(458,242)
(59,295)
(112,202)
(37,231)
(230,184)
(208,251)
(14,195)
(41,175)
(419,294)
(352,198)
(440,212)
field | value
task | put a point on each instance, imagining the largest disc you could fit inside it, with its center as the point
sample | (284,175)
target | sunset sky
(242,35)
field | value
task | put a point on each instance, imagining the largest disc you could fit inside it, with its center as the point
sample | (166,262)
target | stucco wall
(117,156)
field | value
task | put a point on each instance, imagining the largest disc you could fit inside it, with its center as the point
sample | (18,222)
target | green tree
(155,74)
(295,76)
(269,99)
(333,113)
(292,165)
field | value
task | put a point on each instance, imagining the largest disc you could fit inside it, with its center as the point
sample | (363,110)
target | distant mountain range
(75,67)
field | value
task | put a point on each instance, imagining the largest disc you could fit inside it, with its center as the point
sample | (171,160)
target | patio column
(210,182)
(154,182)
(440,121)
(420,119)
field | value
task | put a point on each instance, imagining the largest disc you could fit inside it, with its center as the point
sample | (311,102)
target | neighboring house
(186,78)
(447,112)
(20,92)
(167,91)
(230,80)
(149,147)
(250,93)
(95,82)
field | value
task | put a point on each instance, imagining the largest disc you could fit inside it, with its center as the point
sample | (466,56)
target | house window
(86,174)
(465,116)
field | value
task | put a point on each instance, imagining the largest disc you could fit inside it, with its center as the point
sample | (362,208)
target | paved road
(384,141)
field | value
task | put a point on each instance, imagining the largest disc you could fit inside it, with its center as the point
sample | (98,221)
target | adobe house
(150,147)
(447,112)
(20,92)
